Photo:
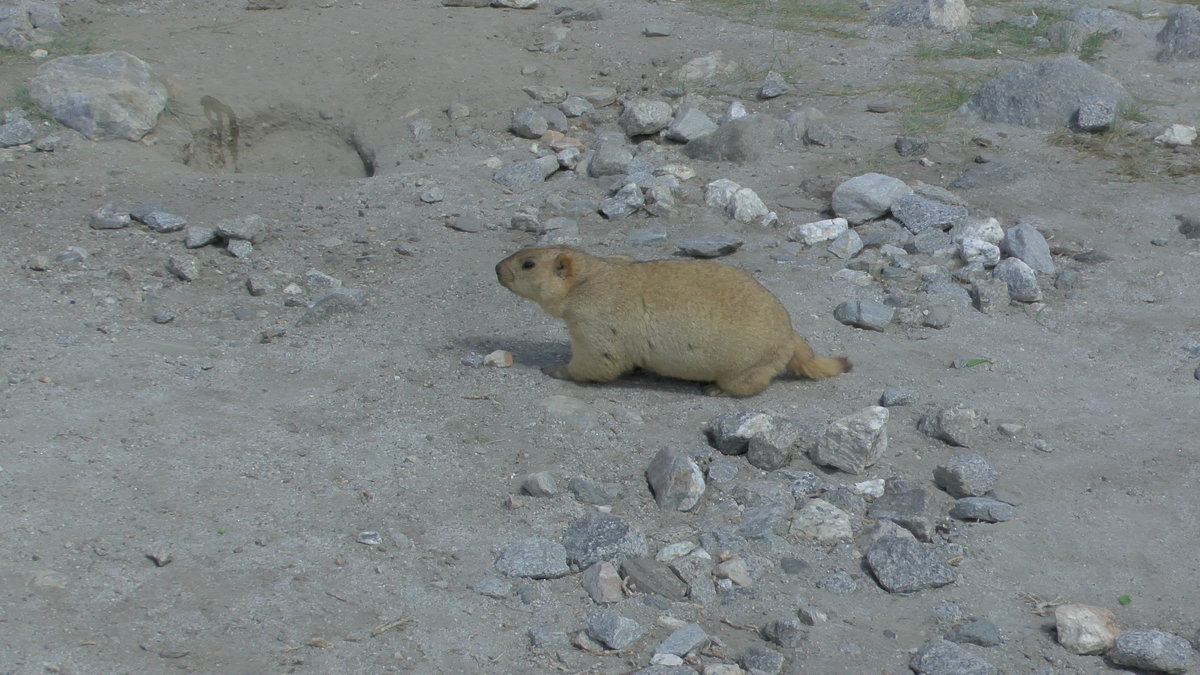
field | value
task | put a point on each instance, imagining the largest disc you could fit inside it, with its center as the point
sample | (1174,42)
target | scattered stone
(710,246)
(897,397)
(979,252)
(740,140)
(1180,36)
(186,268)
(786,631)
(616,632)
(735,570)
(602,583)
(684,640)
(720,192)
(624,203)
(854,442)
(18,131)
(982,509)
(688,125)
(333,302)
(646,575)
(819,133)
(163,222)
(1083,629)
(965,476)
(660,201)
(657,29)
(919,213)
(745,206)
(642,117)
(102,96)
(647,236)
(942,657)
(260,284)
(846,245)
(839,582)
(315,278)
(575,106)
(529,123)
(864,314)
(1096,114)
(676,480)
(937,318)
(1021,279)
(819,231)
(198,236)
(905,566)
(492,587)
(953,425)
(611,157)
(994,172)
(521,176)
(534,558)
(867,197)
(1023,241)
(762,660)
(773,86)
(759,522)
(163,316)
(599,538)
(239,248)
(946,15)
(111,216)
(821,522)
(909,509)
(1154,650)
(908,147)
(731,433)
(1044,94)
(770,447)
(540,484)
(704,68)
(990,296)
(1176,135)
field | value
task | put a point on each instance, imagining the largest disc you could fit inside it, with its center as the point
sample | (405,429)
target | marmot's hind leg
(745,383)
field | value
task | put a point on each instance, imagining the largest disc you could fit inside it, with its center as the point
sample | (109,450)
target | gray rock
(908,147)
(540,484)
(690,124)
(575,106)
(599,538)
(760,521)
(864,314)
(163,316)
(186,268)
(260,284)
(905,566)
(660,201)
(588,491)
(17,132)
(740,140)
(198,236)
(647,236)
(773,86)
(1044,94)
(978,252)
(25,23)
(696,571)
(72,254)
(684,640)
(614,631)
(1021,279)
(624,203)
(771,447)
(1180,37)
(897,397)
(529,123)
(163,222)
(731,432)
(846,245)
(494,588)
(643,116)
(534,558)
(676,480)
(1152,650)
(867,197)
(919,213)
(466,222)
(820,522)
(710,246)
(819,231)
(990,296)
(602,583)
(953,425)
(853,442)
(331,303)
(965,476)
(722,470)
(315,278)
(976,632)
(819,133)
(239,248)
(947,15)
(941,657)
(982,509)
(547,638)
(745,206)
(521,176)
(657,29)
(111,216)
(772,492)
(937,318)
(995,172)
(785,631)
(646,575)
(555,118)
(102,96)
(1096,114)
(610,158)
(908,509)
(761,660)
(1023,241)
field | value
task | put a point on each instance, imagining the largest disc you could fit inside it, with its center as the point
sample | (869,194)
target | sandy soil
(249,466)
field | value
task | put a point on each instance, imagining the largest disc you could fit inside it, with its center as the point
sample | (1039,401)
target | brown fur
(691,319)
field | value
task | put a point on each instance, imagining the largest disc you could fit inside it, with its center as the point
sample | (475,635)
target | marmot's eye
(528,265)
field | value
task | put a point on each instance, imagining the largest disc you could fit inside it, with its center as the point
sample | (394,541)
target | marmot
(690,319)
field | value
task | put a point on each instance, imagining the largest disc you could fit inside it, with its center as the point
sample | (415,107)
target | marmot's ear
(564,265)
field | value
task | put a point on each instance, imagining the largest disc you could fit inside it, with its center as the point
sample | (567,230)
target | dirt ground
(188,495)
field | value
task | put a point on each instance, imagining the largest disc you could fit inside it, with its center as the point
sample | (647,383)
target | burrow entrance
(278,141)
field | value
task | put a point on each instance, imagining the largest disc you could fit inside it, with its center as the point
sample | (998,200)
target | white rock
(987,229)
(1083,629)
(822,522)
(1175,135)
(718,193)
(745,206)
(979,251)
(819,231)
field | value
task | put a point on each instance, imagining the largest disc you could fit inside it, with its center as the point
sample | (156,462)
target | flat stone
(710,246)
(976,632)
(614,631)
(982,509)
(906,566)
(809,234)
(602,583)
(821,522)
(908,509)
(965,476)
(919,213)
(599,538)
(684,640)
(867,197)
(1154,650)
(646,575)
(942,657)
(864,314)
(535,558)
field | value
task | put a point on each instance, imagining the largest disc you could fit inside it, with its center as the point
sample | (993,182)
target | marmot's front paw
(557,372)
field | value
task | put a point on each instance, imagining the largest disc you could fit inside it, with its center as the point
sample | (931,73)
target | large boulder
(102,96)
(1045,94)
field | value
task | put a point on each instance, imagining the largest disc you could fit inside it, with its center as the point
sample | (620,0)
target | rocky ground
(282,449)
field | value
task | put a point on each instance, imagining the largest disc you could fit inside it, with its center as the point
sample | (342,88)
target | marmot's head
(544,275)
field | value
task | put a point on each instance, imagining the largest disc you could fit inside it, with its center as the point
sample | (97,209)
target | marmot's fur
(691,319)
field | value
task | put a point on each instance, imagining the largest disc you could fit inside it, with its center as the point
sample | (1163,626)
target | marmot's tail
(806,364)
